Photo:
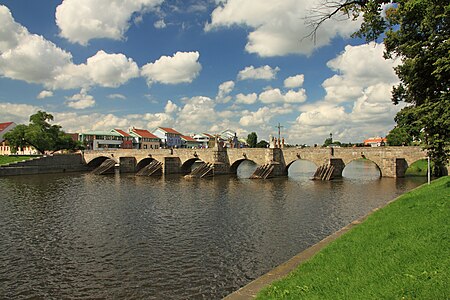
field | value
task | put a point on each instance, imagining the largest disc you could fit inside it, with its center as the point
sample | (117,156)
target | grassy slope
(399,252)
(418,168)
(4,159)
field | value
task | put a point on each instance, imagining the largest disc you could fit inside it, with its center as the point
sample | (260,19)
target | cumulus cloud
(278,27)
(294,81)
(182,67)
(265,73)
(81,100)
(357,102)
(170,107)
(262,116)
(224,90)
(276,96)
(246,99)
(82,20)
(44,94)
(18,113)
(31,58)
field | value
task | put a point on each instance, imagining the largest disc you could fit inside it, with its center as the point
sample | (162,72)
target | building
(169,137)
(5,149)
(144,139)
(202,139)
(101,140)
(189,142)
(375,141)
(127,139)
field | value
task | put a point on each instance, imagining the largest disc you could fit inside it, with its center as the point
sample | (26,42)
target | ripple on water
(86,237)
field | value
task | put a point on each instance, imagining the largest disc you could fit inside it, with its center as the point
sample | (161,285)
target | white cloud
(265,72)
(246,99)
(294,81)
(224,90)
(44,94)
(262,117)
(170,107)
(83,20)
(31,58)
(198,112)
(160,24)
(81,100)
(278,27)
(111,70)
(182,67)
(18,113)
(117,96)
(276,96)
(357,102)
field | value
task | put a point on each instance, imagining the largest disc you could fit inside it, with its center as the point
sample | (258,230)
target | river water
(82,236)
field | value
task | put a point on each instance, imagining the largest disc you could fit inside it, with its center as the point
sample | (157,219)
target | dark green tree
(262,144)
(399,137)
(417,32)
(41,135)
(252,140)
(327,142)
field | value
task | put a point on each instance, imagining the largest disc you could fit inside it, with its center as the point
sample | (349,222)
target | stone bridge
(391,161)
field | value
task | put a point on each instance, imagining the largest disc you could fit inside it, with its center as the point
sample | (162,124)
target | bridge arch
(187,165)
(361,159)
(97,161)
(144,162)
(234,167)
(311,163)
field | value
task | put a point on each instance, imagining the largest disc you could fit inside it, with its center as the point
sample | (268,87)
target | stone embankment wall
(44,165)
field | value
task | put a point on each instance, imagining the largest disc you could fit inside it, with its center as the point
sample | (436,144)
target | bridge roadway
(392,161)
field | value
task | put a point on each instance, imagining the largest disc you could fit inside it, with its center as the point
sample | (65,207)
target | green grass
(5,159)
(418,168)
(400,252)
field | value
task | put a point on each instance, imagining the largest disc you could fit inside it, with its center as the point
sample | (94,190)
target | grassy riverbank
(419,168)
(5,159)
(399,252)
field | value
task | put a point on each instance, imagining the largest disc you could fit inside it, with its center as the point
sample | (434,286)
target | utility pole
(279,130)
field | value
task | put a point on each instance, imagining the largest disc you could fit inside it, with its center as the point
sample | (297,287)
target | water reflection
(302,169)
(246,169)
(361,169)
(121,236)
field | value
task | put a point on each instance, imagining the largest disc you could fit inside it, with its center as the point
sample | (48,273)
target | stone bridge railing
(392,161)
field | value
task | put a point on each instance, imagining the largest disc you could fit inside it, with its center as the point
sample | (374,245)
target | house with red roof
(144,139)
(170,138)
(189,142)
(127,139)
(375,141)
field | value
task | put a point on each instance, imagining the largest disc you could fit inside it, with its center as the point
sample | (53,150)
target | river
(82,236)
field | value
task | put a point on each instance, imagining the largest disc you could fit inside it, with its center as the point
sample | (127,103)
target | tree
(252,139)
(399,137)
(41,135)
(417,32)
(262,144)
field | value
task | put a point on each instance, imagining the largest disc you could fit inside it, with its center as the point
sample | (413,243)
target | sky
(194,65)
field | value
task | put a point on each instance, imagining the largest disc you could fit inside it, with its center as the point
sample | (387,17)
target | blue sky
(197,66)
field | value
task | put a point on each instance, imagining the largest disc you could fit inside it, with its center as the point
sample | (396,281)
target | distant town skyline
(198,66)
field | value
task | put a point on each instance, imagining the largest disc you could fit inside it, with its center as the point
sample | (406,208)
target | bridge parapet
(388,159)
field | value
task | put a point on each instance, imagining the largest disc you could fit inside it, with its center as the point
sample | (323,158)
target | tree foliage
(252,140)
(399,137)
(40,134)
(417,32)
(262,144)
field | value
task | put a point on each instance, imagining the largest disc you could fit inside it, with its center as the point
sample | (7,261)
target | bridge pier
(338,165)
(172,165)
(393,167)
(127,164)
(274,156)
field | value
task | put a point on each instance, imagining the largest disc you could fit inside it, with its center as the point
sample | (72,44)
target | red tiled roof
(120,131)
(3,126)
(170,130)
(375,140)
(188,138)
(144,133)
